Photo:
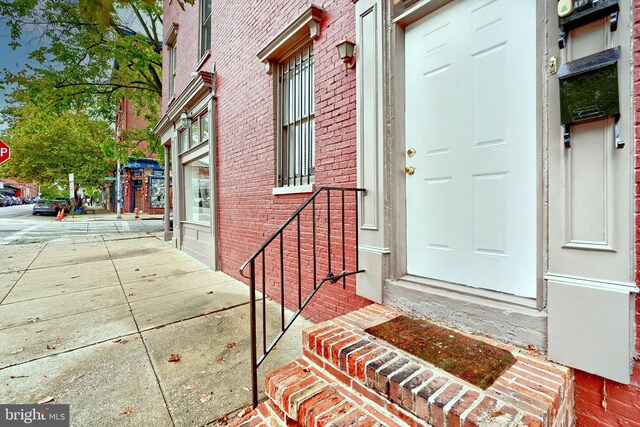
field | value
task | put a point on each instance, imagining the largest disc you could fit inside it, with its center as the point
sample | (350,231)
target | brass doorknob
(409,170)
(411,152)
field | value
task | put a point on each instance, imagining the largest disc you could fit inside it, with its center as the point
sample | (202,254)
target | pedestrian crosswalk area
(65,229)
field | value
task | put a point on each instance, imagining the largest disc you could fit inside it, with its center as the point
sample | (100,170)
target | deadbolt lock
(411,152)
(410,170)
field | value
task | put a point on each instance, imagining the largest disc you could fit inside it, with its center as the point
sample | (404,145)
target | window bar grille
(292,138)
(299,129)
(309,110)
(281,124)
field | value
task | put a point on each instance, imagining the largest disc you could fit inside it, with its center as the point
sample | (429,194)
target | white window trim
(204,53)
(294,189)
(295,36)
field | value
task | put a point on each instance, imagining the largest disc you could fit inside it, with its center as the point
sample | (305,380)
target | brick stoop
(348,377)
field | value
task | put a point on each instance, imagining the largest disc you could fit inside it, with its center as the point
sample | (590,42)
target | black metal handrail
(330,277)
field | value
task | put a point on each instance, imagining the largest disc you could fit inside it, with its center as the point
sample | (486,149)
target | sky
(13,60)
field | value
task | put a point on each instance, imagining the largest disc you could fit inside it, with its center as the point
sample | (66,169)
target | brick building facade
(223,125)
(141,179)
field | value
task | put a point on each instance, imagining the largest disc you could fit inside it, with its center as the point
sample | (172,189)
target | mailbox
(589,90)
(576,13)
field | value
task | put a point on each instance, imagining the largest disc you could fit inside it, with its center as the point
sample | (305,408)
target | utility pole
(118,192)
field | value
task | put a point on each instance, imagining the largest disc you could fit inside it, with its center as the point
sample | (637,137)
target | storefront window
(197,184)
(184,140)
(204,125)
(195,134)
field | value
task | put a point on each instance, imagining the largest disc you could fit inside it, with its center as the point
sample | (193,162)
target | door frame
(382,248)
(397,161)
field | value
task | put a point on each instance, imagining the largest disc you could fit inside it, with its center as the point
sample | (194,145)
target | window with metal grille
(172,70)
(296,148)
(205,27)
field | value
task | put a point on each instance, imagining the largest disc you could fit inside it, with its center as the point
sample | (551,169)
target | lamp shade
(345,49)
(185,120)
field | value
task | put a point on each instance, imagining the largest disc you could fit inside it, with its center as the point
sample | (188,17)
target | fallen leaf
(137,269)
(130,294)
(190,386)
(223,419)
(117,341)
(74,277)
(78,377)
(174,358)
(533,348)
(51,347)
(221,359)
(244,412)
(17,350)
(18,376)
(41,330)
(205,398)
(121,341)
(129,410)
(209,292)
(46,400)
(231,345)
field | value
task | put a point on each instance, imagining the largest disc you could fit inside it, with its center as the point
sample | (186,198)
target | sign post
(5,152)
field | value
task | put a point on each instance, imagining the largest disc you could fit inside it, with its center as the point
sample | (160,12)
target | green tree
(90,54)
(46,147)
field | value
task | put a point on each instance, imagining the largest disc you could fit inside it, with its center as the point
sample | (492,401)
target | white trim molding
(304,28)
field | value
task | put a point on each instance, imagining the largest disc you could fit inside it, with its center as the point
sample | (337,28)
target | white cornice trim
(170,36)
(305,27)
(202,82)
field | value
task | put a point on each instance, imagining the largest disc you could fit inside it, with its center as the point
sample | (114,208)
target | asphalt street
(19,226)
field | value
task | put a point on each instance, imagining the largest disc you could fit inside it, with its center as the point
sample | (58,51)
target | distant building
(141,179)
(10,187)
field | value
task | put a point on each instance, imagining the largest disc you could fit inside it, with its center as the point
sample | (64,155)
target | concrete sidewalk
(93,321)
(98,213)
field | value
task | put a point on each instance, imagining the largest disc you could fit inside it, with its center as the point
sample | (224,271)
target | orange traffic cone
(58,217)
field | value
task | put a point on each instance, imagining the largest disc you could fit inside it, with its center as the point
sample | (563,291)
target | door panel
(137,199)
(471,117)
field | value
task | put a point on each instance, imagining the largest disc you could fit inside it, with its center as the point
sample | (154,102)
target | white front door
(471,119)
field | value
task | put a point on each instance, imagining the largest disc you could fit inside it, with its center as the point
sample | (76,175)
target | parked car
(5,201)
(49,207)
(65,203)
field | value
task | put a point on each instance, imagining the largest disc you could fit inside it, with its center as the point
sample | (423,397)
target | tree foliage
(47,147)
(88,55)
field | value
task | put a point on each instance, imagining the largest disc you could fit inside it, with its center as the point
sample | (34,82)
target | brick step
(308,397)
(533,391)
(265,415)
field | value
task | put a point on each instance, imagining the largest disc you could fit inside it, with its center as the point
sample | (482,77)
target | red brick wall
(186,45)
(598,401)
(248,213)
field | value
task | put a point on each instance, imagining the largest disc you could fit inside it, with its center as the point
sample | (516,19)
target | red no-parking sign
(5,152)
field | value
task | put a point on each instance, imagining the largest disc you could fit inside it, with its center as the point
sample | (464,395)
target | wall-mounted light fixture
(185,120)
(345,49)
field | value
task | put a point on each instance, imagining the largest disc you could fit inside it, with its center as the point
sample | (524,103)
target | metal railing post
(254,355)
(302,303)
